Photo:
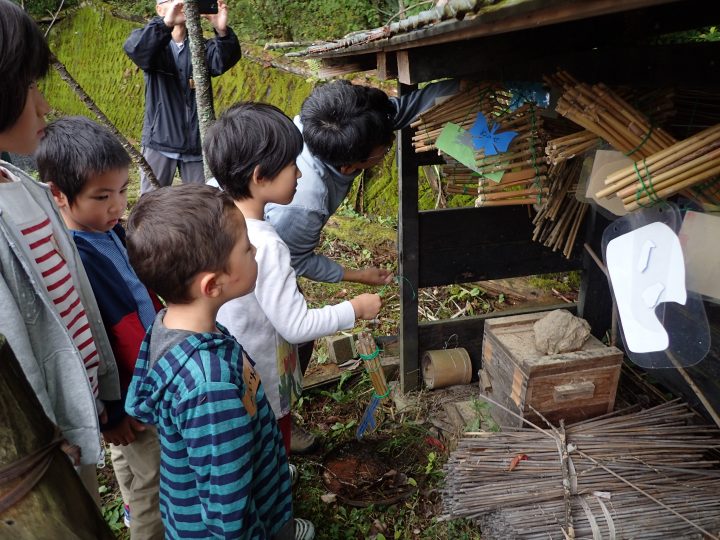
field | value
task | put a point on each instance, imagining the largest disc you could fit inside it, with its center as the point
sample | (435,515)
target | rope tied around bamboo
(370,354)
(687,164)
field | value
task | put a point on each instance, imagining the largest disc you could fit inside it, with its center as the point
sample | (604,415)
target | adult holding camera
(171,133)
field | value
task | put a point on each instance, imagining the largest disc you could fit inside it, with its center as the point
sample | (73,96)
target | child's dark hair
(74,149)
(24,59)
(246,136)
(174,233)
(343,123)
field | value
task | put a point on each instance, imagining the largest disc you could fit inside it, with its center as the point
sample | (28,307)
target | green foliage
(89,42)
(40,9)
(293,20)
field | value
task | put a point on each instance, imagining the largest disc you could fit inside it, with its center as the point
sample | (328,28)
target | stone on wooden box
(572,386)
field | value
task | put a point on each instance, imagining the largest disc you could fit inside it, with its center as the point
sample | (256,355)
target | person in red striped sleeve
(48,313)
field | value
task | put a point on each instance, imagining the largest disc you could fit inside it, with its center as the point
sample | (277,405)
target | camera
(207,7)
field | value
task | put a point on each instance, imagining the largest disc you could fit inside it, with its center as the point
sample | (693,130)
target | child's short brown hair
(174,233)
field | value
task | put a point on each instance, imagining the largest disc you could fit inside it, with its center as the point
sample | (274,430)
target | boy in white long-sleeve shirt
(251,150)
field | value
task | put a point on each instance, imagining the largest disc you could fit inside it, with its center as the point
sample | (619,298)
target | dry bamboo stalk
(696,178)
(605,113)
(669,156)
(513,194)
(671,175)
(505,202)
(679,167)
(366,346)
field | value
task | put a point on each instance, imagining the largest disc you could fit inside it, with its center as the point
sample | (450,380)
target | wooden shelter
(613,41)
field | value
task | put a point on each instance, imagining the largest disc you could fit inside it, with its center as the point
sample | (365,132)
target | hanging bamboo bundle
(691,163)
(599,109)
(637,475)
(569,146)
(460,109)
(558,221)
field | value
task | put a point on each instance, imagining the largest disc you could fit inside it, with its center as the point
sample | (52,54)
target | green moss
(89,42)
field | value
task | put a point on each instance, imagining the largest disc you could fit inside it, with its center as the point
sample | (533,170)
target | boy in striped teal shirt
(223,472)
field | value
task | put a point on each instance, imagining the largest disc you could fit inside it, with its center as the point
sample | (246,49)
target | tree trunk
(201,76)
(58,506)
(136,156)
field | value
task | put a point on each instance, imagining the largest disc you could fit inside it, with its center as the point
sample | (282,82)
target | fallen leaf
(516,461)
(432,441)
(328,498)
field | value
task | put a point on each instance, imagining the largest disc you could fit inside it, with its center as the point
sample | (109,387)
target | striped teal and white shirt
(224,472)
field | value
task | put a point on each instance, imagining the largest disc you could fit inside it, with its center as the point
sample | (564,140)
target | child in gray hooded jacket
(48,313)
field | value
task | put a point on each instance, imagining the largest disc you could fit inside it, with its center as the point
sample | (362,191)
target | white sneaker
(304,529)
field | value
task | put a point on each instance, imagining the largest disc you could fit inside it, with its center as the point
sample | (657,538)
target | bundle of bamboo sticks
(367,347)
(632,474)
(569,146)
(559,219)
(460,109)
(693,162)
(602,111)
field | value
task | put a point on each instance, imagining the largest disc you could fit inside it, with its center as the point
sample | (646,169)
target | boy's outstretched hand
(124,432)
(369,276)
(366,306)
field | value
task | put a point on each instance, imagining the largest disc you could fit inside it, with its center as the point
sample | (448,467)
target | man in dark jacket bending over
(171,134)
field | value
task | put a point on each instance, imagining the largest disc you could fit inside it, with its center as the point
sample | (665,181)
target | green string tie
(397,279)
(646,189)
(642,142)
(371,356)
(386,394)
(533,128)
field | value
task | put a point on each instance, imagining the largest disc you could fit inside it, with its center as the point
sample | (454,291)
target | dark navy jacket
(171,121)
(119,312)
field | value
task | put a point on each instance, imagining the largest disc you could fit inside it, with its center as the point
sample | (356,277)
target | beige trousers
(137,469)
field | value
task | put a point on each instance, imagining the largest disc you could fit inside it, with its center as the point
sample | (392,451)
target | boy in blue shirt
(86,168)
(224,472)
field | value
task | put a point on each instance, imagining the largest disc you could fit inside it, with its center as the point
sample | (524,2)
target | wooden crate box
(571,386)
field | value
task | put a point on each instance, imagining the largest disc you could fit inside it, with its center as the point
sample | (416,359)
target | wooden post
(595,300)
(58,506)
(201,75)
(408,250)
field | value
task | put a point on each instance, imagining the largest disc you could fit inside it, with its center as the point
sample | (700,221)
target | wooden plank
(408,256)
(693,63)
(461,245)
(386,66)
(332,67)
(403,67)
(467,332)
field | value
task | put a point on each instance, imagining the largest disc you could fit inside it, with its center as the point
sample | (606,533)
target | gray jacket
(28,319)
(322,188)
